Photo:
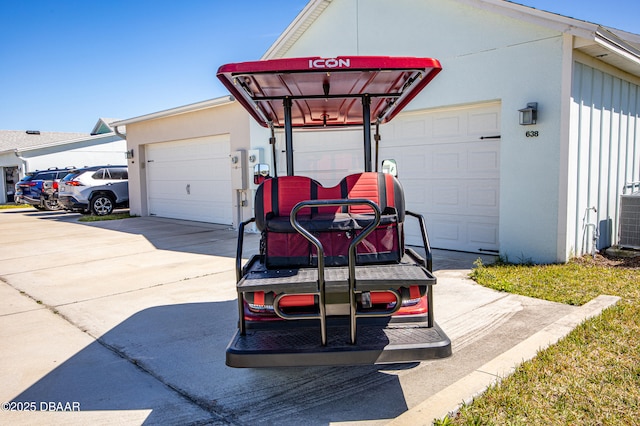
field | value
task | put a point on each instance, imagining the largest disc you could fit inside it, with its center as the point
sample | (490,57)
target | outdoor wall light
(129,154)
(529,115)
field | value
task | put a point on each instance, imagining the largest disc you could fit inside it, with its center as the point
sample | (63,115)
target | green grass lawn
(112,216)
(591,377)
(14,206)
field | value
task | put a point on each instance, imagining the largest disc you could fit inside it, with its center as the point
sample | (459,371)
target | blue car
(39,188)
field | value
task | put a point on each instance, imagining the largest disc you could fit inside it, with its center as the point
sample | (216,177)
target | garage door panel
(190,179)
(413,129)
(317,164)
(198,168)
(452,177)
(485,158)
(483,235)
(445,197)
(326,156)
(445,230)
(446,162)
(191,210)
(447,126)
(418,161)
(415,194)
(457,232)
(222,163)
(484,199)
(189,189)
(187,150)
(482,123)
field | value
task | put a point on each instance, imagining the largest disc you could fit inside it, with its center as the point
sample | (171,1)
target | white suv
(95,189)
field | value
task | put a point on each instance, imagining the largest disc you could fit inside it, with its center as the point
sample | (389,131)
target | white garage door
(449,166)
(448,160)
(190,179)
(326,156)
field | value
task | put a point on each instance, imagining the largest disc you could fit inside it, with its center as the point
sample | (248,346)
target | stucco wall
(485,57)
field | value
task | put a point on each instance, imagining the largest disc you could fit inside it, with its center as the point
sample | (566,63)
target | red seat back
(276,197)
(381,188)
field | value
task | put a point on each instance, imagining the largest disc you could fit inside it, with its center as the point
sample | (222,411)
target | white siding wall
(109,150)
(605,136)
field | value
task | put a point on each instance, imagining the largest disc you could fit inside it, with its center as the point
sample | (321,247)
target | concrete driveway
(126,322)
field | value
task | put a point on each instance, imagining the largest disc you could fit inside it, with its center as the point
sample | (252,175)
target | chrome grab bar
(241,323)
(321,293)
(427,263)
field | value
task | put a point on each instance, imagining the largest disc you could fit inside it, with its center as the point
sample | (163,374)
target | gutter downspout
(120,135)
(124,137)
(23,166)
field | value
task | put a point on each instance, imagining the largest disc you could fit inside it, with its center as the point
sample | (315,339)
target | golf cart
(333,283)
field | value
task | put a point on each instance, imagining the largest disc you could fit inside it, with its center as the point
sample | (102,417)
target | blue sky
(65,63)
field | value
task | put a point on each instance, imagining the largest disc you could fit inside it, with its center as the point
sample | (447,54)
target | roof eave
(63,142)
(296,28)
(612,42)
(211,103)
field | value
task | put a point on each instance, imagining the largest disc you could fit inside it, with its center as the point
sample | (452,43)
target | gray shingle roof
(11,140)
(20,139)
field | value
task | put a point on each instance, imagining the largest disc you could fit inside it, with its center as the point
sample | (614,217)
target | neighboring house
(27,151)
(485,182)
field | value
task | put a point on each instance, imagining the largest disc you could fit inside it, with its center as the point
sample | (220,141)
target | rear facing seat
(283,246)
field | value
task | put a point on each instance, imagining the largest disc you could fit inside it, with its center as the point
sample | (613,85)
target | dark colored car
(39,188)
(22,183)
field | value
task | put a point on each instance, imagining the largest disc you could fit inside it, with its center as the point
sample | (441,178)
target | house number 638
(531,134)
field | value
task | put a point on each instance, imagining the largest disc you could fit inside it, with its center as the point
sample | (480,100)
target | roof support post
(377,138)
(272,142)
(288,134)
(366,127)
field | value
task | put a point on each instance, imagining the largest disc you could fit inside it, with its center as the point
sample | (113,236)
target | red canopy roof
(327,91)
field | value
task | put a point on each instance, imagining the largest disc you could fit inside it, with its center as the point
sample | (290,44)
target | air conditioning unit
(630,221)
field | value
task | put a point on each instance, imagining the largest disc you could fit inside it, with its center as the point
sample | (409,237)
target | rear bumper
(70,203)
(30,200)
(292,344)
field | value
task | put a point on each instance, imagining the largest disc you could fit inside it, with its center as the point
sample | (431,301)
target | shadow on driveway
(221,240)
(170,360)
